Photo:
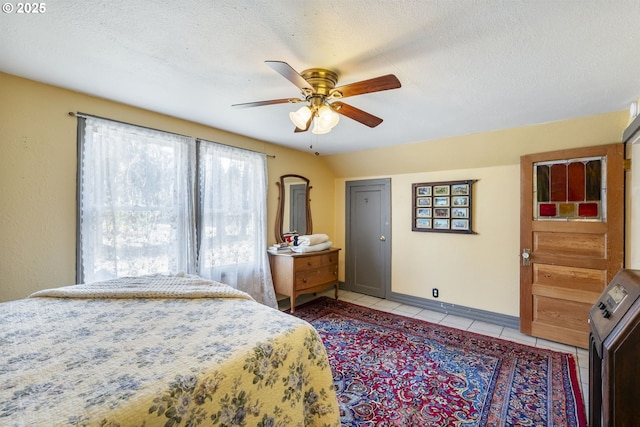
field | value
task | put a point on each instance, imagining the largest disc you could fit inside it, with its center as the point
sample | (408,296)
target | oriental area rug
(391,370)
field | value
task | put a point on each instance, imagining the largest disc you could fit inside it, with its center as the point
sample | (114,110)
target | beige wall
(478,271)
(487,149)
(38,178)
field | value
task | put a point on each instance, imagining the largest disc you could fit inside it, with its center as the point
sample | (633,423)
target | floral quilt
(156,359)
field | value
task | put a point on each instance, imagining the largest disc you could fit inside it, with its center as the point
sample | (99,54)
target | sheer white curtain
(136,207)
(232,225)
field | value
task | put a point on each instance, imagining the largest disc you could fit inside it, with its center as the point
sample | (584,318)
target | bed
(159,350)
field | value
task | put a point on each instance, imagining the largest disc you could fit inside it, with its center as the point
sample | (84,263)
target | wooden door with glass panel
(571,236)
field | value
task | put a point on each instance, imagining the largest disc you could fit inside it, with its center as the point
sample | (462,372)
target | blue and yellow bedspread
(152,358)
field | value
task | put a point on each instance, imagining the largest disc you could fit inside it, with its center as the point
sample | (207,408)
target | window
(570,190)
(137,207)
(232,201)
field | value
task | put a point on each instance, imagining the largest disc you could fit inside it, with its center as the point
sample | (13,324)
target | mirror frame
(281,201)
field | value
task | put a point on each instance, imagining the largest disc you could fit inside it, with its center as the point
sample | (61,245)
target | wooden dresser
(296,274)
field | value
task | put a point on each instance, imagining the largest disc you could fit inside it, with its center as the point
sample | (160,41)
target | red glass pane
(547,209)
(558,183)
(576,182)
(588,209)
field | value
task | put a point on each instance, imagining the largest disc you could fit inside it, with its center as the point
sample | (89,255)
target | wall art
(443,207)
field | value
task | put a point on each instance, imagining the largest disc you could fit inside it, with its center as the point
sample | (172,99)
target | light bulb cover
(318,129)
(327,117)
(300,117)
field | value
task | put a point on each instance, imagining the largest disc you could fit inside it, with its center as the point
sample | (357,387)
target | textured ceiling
(465,66)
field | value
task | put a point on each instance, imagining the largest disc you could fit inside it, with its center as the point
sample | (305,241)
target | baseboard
(504,320)
(457,310)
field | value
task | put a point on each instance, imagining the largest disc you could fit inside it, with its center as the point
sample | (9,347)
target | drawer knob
(304,280)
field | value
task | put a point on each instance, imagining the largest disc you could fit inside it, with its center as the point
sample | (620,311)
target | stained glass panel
(575,186)
(567,210)
(593,179)
(542,172)
(570,190)
(559,183)
(588,210)
(548,209)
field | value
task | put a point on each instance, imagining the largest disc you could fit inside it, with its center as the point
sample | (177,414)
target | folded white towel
(312,239)
(311,248)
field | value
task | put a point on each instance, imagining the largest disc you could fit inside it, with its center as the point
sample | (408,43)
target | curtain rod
(85,115)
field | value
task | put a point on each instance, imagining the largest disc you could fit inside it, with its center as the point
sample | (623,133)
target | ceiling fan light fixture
(301,117)
(327,117)
(325,120)
(318,129)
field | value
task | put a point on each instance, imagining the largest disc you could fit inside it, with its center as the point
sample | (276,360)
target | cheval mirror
(294,211)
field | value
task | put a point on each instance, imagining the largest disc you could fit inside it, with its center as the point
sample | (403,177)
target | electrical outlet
(434,292)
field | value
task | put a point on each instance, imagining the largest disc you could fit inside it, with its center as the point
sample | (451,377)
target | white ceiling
(465,66)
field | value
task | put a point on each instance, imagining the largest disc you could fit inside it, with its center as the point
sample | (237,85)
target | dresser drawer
(317,276)
(307,263)
(329,259)
(311,262)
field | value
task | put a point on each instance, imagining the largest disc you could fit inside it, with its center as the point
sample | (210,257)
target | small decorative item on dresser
(279,248)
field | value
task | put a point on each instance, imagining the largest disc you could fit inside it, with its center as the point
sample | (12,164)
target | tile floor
(582,355)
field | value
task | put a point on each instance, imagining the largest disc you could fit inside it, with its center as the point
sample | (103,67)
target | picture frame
(423,191)
(460,189)
(441,201)
(441,224)
(423,223)
(460,201)
(423,213)
(441,212)
(460,224)
(441,190)
(443,207)
(459,212)
(423,201)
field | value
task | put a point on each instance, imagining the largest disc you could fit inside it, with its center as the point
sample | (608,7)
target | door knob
(382,238)
(526,257)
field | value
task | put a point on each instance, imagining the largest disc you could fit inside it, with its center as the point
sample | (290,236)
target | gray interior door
(368,237)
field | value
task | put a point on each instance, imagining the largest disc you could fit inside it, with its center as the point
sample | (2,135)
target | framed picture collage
(444,207)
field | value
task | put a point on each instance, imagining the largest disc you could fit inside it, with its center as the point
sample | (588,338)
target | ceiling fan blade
(356,114)
(367,86)
(290,74)
(306,127)
(270,102)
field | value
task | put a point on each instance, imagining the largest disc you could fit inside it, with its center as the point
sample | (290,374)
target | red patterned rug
(391,370)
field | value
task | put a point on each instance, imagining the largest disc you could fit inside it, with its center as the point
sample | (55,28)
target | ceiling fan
(317,86)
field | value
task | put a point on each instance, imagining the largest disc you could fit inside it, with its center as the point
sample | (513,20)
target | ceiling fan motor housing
(321,79)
